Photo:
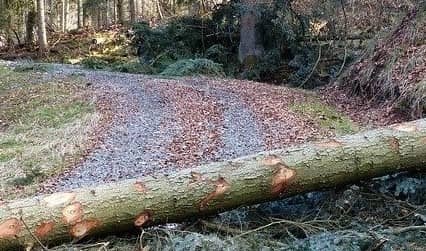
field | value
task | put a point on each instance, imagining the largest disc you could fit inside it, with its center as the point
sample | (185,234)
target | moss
(326,116)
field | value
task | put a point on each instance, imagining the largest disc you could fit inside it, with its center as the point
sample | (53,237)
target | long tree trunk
(107,13)
(30,25)
(42,34)
(120,11)
(215,187)
(79,14)
(250,48)
(132,7)
(63,16)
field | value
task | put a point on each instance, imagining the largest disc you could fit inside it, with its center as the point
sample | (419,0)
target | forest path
(159,125)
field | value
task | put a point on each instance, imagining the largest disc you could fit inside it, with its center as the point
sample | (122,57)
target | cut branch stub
(72,213)
(282,178)
(44,229)
(140,187)
(143,218)
(83,228)
(282,175)
(394,144)
(222,186)
(10,228)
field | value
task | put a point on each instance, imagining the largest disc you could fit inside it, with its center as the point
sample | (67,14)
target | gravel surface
(159,125)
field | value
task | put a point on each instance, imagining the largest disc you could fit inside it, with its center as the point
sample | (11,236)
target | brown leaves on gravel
(270,104)
(200,119)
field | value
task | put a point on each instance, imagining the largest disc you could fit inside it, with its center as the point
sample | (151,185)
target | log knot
(44,228)
(140,187)
(10,228)
(282,178)
(73,213)
(83,228)
(222,186)
(143,218)
(282,175)
(394,145)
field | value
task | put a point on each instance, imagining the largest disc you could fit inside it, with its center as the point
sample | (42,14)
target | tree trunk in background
(67,9)
(132,7)
(212,188)
(114,12)
(107,14)
(79,14)
(120,11)
(42,35)
(63,19)
(30,25)
(250,48)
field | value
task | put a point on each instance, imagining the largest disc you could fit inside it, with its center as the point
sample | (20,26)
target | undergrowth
(392,70)
(193,67)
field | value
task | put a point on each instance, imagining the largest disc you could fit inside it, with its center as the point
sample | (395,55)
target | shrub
(94,63)
(133,67)
(190,67)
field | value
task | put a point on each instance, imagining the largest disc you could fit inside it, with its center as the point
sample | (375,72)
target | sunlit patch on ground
(45,125)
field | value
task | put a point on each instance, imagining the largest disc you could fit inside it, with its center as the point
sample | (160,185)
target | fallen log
(212,188)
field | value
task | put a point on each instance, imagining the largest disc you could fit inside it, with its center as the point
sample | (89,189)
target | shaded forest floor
(63,127)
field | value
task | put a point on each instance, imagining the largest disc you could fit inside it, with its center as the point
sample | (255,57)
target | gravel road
(147,124)
(161,125)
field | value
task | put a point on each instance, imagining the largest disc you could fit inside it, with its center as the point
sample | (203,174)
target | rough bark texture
(250,48)
(120,11)
(79,14)
(42,35)
(132,7)
(212,188)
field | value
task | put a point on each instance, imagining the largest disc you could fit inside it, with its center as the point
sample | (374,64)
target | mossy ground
(44,126)
(327,117)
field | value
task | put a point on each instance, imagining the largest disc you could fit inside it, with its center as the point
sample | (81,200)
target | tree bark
(63,16)
(120,11)
(42,34)
(79,14)
(30,24)
(250,48)
(132,7)
(214,187)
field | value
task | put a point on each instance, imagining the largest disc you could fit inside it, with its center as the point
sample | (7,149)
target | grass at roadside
(45,125)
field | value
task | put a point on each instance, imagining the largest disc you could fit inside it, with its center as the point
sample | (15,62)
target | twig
(407,229)
(301,225)
(313,68)
(220,228)
(346,39)
(102,244)
(32,235)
